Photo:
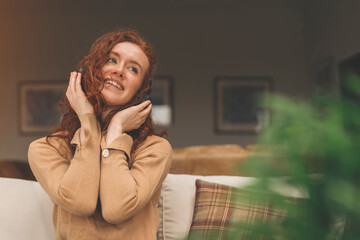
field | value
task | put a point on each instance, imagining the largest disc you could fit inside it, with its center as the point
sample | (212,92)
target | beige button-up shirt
(101,192)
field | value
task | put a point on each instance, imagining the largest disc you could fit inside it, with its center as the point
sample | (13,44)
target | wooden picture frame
(162,100)
(236,106)
(38,106)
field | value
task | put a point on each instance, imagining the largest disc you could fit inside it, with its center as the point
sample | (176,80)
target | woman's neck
(106,112)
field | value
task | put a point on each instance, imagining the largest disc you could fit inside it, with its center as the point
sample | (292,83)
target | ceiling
(33,6)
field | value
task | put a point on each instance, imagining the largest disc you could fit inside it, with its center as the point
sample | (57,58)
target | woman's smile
(116,84)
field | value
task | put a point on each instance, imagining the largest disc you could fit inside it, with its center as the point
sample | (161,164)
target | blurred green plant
(312,147)
(316,146)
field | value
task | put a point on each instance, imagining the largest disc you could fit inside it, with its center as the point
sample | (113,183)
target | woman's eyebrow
(131,61)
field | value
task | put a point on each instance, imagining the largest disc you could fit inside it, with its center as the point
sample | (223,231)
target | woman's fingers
(76,96)
(144,109)
(71,87)
(147,109)
(72,81)
(143,105)
(74,87)
(78,88)
(68,90)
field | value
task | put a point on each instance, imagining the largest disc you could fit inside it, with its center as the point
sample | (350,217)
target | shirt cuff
(88,121)
(123,143)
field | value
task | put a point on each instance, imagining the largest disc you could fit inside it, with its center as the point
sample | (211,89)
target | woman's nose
(120,74)
(118,71)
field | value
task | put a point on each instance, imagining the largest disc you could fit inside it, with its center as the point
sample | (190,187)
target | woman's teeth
(114,84)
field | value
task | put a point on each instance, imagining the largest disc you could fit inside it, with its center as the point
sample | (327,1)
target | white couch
(26,210)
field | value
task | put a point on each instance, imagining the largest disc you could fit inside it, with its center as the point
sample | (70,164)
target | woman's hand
(127,120)
(76,95)
(77,99)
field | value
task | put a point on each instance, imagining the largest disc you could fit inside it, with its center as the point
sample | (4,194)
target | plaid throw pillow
(222,211)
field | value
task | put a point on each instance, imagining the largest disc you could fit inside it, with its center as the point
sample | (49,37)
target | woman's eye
(133,69)
(111,60)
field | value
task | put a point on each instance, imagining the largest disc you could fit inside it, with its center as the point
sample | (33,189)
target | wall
(193,46)
(332,31)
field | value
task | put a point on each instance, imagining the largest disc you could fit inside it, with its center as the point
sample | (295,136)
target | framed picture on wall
(162,100)
(236,104)
(38,106)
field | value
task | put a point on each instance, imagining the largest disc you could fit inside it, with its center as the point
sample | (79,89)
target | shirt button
(105,152)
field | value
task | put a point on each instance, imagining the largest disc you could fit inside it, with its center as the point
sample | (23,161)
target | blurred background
(195,41)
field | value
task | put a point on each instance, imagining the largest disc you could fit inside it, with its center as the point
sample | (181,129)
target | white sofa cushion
(178,198)
(25,211)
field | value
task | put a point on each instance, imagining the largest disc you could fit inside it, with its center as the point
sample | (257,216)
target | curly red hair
(93,83)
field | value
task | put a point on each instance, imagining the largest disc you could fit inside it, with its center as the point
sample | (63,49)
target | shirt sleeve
(124,189)
(71,183)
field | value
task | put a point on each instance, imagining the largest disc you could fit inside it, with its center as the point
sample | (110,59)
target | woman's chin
(111,102)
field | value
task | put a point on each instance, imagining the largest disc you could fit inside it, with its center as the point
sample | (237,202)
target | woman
(103,168)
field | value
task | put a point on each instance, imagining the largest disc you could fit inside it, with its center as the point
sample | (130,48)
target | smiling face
(123,73)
